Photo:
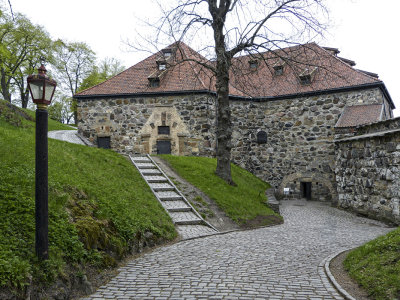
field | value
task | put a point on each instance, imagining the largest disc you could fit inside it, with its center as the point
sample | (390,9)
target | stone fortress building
(287,108)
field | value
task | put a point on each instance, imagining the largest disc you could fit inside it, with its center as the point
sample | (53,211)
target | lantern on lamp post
(42,89)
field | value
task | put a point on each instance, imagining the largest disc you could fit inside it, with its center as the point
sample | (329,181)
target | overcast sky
(366,31)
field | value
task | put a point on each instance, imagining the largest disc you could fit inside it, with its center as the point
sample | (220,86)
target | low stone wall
(368,171)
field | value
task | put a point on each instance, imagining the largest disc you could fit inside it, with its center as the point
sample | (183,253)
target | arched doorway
(308,186)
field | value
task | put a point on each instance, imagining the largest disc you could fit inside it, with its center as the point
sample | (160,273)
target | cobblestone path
(280,262)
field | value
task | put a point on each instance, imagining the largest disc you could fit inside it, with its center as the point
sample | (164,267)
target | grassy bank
(100,209)
(243,203)
(376,266)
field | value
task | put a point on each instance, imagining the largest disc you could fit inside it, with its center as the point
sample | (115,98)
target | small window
(167,53)
(104,142)
(278,70)
(154,82)
(163,130)
(262,137)
(253,64)
(162,66)
(305,79)
(307,76)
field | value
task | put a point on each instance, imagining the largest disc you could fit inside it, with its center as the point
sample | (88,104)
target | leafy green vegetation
(243,203)
(100,209)
(376,266)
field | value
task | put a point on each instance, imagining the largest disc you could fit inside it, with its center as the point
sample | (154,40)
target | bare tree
(237,27)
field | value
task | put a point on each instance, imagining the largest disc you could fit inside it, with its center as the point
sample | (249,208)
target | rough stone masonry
(299,132)
(367,170)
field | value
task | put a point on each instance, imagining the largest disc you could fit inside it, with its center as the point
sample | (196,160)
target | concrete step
(140,159)
(185,218)
(145,165)
(168,195)
(155,179)
(176,206)
(150,172)
(160,187)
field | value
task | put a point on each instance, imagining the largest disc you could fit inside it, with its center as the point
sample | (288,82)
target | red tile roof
(357,115)
(329,72)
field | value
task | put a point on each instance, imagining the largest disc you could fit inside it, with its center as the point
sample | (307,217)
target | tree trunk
(25,98)
(5,87)
(224,124)
(224,130)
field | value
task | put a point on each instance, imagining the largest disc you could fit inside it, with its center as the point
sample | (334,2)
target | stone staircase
(187,220)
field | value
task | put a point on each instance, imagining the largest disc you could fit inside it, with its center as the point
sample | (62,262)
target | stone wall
(297,145)
(132,123)
(367,170)
(300,134)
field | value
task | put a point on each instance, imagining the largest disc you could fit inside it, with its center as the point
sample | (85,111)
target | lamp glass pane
(49,92)
(37,90)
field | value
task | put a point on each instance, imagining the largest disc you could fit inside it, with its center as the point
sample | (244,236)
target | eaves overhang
(143,94)
(379,85)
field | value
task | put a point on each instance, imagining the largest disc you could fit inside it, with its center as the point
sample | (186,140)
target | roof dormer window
(154,82)
(305,79)
(167,53)
(278,70)
(253,64)
(162,66)
(307,76)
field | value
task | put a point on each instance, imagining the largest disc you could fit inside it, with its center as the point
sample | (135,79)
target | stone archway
(321,187)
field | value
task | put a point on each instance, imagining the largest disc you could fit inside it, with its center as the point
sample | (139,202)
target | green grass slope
(376,266)
(243,203)
(99,207)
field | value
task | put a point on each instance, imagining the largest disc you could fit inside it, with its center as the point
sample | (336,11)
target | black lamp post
(42,90)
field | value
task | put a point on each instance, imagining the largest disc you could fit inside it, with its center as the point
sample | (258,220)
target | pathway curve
(280,262)
(65,135)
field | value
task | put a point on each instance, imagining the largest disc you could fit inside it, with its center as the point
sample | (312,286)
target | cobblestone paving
(66,135)
(280,262)
(192,231)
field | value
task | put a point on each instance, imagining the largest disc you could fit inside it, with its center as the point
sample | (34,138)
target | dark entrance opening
(104,142)
(305,190)
(163,147)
